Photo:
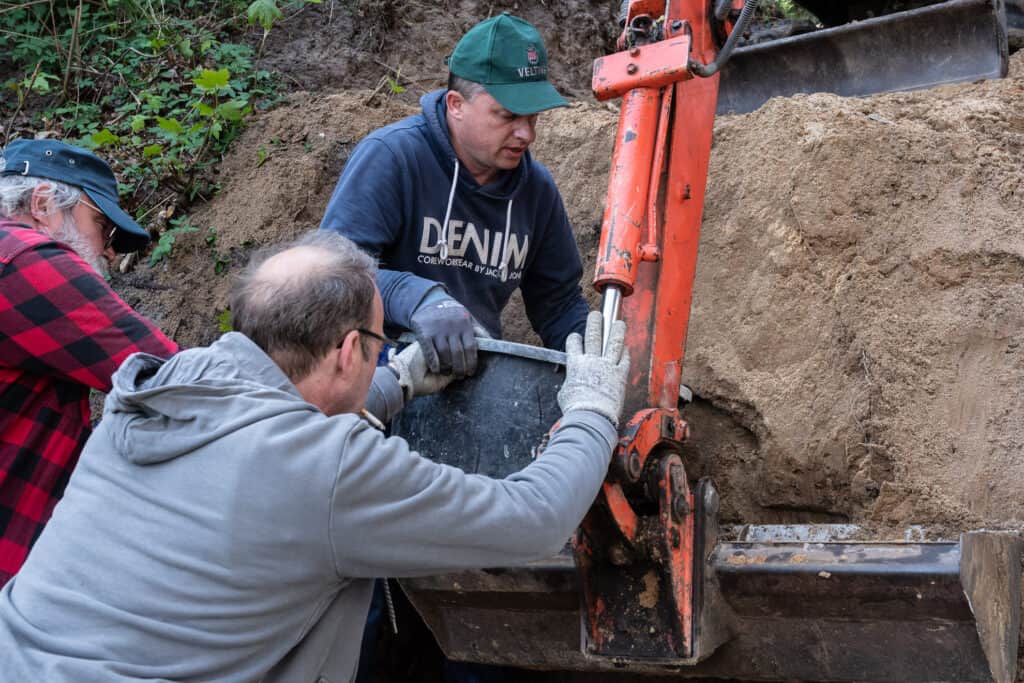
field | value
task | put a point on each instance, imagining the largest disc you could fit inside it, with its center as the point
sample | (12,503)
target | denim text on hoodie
(404,197)
(220,528)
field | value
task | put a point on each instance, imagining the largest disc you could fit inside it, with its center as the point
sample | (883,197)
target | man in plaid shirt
(63,331)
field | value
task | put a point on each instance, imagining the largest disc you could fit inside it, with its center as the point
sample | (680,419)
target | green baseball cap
(506,55)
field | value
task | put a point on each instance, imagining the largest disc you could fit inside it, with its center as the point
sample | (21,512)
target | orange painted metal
(647,66)
(644,433)
(650,251)
(655,207)
(648,248)
(628,183)
(620,510)
(651,9)
(677,544)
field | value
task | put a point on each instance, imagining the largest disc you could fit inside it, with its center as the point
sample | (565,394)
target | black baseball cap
(81,168)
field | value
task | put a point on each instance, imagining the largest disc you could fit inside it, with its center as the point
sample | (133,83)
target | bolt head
(680,508)
(632,69)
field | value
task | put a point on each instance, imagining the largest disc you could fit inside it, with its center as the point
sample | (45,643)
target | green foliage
(224,321)
(165,246)
(162,87)
(265,12)
(220,264)
(41,83)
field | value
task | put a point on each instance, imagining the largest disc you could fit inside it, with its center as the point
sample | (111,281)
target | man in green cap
(458,212)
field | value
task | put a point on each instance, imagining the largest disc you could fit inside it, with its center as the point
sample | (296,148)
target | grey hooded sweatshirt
(220,528)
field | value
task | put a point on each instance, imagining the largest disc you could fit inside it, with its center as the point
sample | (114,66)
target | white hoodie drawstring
(443,243)
(504,246)
(448,213)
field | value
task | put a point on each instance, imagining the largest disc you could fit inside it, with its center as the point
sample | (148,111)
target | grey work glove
(594,380)
(413,375)
(444,328)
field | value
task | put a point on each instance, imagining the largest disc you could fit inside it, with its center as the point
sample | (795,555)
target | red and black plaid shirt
(62,332)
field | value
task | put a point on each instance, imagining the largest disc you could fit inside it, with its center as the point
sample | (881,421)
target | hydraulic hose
(705,70)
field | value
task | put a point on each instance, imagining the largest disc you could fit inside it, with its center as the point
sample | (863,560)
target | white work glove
(413,375)
(593,380)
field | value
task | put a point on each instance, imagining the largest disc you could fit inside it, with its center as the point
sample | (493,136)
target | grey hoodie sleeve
(395,513)
(385,398)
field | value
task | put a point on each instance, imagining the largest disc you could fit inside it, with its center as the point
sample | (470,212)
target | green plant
(161,87)
(165,245)
(266,13)
(224,321)
(221,263)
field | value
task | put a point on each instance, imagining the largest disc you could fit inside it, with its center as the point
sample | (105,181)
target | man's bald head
(298,300)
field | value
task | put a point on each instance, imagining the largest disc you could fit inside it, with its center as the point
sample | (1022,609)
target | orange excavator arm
(667,77)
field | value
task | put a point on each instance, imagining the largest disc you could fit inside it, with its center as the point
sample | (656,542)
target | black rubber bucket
(491,423)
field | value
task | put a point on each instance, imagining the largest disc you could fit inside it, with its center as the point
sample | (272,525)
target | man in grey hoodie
(228,515)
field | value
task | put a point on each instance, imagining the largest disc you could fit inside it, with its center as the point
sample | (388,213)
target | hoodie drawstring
(448,212)
(443,243)
(504,244)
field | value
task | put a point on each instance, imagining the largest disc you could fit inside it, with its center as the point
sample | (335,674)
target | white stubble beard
(68,234)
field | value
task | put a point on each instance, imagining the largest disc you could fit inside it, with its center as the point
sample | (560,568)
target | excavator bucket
(807,602)
(948,42)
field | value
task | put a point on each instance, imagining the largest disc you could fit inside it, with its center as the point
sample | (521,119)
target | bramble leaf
(265,12)
(209,80)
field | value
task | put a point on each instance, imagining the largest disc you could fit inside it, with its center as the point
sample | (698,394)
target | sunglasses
(107,226)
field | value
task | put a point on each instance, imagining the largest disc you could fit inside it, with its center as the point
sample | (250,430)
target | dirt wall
(858,305)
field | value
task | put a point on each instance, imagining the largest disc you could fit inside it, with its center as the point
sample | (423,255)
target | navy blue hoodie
(392,199)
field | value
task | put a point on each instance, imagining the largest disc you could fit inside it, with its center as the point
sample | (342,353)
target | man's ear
(41,204)
(454,102)
(349,354)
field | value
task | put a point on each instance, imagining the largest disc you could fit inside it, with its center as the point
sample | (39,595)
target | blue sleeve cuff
(402,294)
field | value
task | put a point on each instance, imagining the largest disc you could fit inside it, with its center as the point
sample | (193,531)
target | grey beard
(69,235)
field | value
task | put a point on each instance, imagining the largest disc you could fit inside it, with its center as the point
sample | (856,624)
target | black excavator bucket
(949,42)
(809,602)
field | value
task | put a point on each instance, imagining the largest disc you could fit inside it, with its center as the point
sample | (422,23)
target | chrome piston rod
(611,299)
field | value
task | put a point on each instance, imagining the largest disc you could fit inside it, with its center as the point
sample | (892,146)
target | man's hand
(413,375)
(444,329)
(594,380)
